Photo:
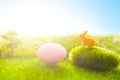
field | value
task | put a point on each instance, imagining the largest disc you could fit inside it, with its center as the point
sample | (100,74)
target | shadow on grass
(40,67)
(89,74)
(46,72)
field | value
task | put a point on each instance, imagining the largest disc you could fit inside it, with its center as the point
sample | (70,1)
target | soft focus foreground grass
(33,69)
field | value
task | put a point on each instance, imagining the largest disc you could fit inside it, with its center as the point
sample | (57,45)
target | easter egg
(51,53)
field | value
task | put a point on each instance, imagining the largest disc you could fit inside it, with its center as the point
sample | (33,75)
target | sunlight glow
(35,21)
(48,19)
(52,17)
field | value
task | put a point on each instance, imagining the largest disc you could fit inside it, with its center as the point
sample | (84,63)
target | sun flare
(36,21)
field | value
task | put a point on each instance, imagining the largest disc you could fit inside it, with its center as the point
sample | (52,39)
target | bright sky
(39,17)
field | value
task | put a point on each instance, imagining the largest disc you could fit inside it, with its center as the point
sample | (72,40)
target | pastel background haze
(47,17)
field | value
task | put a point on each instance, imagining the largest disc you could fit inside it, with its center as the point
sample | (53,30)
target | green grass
(33,69)
(30,68)
(95,58)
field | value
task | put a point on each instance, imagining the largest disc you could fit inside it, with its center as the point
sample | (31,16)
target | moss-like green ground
(95,57)
(33,69)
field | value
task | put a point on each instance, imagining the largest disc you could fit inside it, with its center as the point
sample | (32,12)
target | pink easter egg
(51,53)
